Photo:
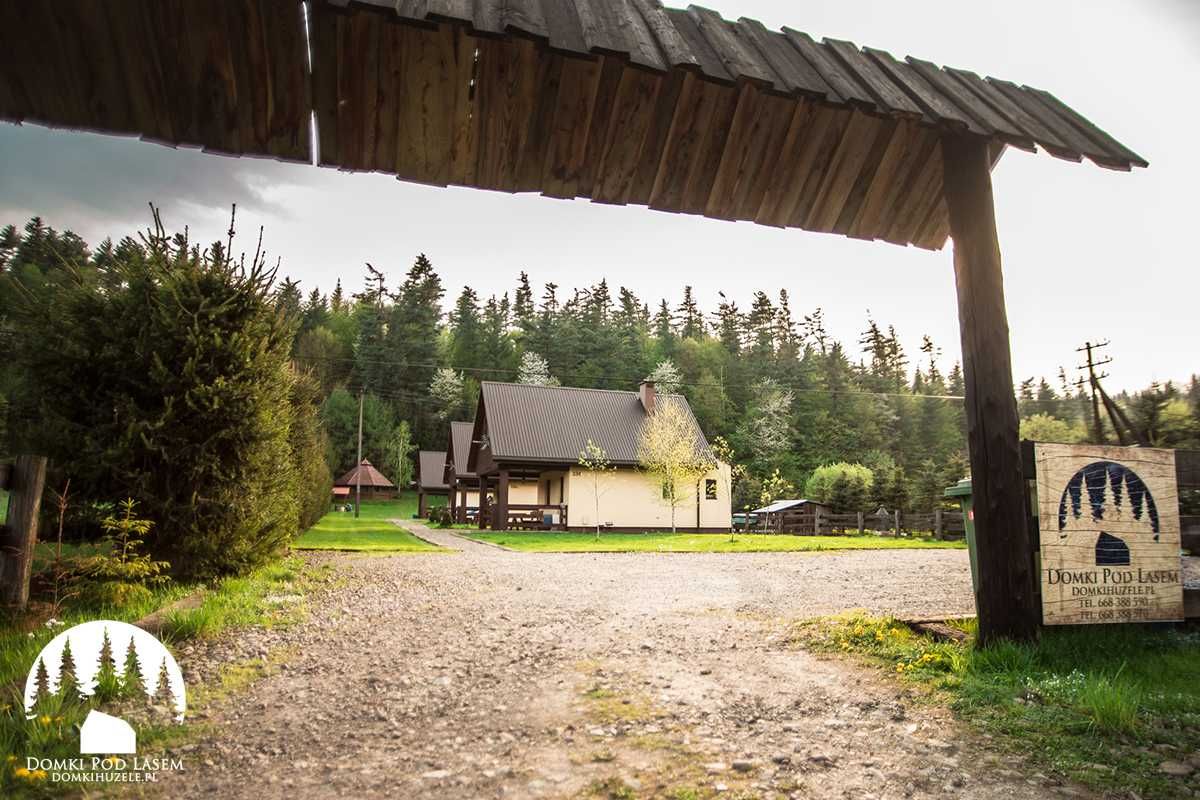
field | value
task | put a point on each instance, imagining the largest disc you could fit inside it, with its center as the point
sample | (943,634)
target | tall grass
(1124,696)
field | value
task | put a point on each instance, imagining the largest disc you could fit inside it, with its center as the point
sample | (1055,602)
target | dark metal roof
(460,443)
(431,469)
(370,477)
(554,423)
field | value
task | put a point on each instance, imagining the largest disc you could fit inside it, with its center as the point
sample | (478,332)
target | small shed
(783,514)
(375,485)
(430,478)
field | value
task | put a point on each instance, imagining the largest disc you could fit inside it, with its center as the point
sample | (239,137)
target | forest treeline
(767,378)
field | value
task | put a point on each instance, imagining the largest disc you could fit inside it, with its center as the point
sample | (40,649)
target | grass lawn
(578,542)
(339,530)
(1105,705)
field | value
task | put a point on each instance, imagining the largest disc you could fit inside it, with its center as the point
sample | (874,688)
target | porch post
(1005,595)
(421,504)
(501,521)
(483,502)
(452,499)
(462,504)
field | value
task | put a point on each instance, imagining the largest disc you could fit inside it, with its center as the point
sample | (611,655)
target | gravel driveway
(485,673)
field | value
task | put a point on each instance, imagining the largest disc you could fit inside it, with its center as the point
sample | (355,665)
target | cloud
(97,184)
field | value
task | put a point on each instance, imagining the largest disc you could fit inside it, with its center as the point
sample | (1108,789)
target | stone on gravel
(1176,768)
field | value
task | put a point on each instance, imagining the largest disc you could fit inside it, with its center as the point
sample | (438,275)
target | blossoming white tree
(669,450)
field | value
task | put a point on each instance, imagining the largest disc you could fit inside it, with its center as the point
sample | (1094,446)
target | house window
(710,489)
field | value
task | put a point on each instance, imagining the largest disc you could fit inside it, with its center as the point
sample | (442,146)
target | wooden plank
(430,86)
(615,28)
(611,70)
(823,165)
(572,121)
(1191,603)
(1005,594)
(706,57)
(887,94)
(676,49)
(807,126)
(1111,145)
(740,58)
(670,91)
(692,115)
(911,203)
(18,535)
(396,67)
(887,144)
(564,27)
(323,35)
(903,151)
(1075,141)
(628,126)
(841,173)
(531,164)
(795,74)
(506,91)
(1014,113)
(715,135)
(1189,534)
(501,16)
(936,105)
(750,191)
(831,71)
(969,102)
(464,154)
(756,135)
(1187,468)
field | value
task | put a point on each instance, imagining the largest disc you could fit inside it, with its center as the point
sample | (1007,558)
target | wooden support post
(462,505)
(937,523)
(422,505)
(19,534)
(500,512)
(862,523)
(816,531)
(452,500)
(896,523)
(483,503)
(1004,597)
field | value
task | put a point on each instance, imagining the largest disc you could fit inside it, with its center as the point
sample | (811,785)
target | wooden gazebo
(373,483)
(620,101)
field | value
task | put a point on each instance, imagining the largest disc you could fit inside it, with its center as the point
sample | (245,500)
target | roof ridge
(575,388)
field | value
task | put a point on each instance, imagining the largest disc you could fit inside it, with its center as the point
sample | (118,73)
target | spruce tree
(42,682)
(69,688)
(131,676)
(108,685)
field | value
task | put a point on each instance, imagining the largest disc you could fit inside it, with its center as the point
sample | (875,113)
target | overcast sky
(1088,253)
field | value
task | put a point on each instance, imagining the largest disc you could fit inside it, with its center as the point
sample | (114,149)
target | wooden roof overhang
(619,101)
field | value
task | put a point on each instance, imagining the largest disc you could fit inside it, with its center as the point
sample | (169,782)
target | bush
(164,376)
(441,517)
(846,487)
(314,482)
(120,576)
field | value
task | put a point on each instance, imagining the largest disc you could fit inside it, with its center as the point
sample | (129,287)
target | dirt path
(491,674)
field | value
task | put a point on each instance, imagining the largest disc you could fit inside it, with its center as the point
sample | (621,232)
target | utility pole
(1093,381)
(358,463)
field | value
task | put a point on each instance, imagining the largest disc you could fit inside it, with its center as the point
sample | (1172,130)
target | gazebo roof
(369,476)
(620,101)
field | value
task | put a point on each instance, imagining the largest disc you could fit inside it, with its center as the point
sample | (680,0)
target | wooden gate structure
(620,101)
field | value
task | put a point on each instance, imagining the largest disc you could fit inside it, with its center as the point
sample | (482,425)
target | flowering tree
(666,377)
(446,388)
(595,463)
(724,452)
(670,451)
(535,371)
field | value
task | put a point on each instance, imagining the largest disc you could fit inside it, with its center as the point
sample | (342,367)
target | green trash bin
(962,491)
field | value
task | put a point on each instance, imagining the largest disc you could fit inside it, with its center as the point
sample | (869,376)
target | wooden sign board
(1109,524)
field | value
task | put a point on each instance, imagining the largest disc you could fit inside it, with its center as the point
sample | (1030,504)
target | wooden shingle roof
(369,477)
(554,423)
(620,101)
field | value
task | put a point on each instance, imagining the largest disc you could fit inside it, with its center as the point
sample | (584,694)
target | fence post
(861,524)
(19,535)
(816,521)
(937,523)
(896,523)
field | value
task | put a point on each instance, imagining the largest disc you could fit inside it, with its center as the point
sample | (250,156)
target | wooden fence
(812,522)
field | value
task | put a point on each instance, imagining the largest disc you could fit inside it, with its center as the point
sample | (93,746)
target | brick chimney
(647,395)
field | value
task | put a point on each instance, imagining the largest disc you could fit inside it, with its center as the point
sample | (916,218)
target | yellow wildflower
(38,775)
(44,719)
(21,772)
